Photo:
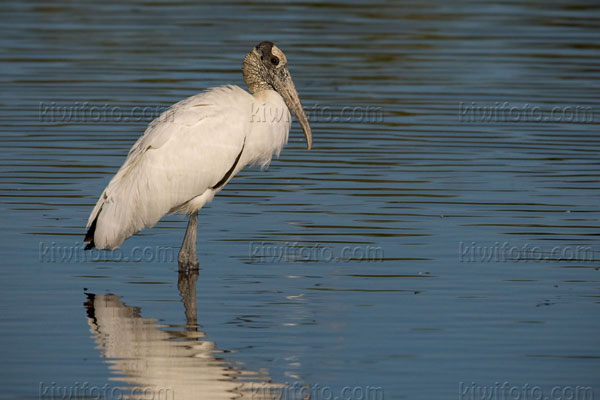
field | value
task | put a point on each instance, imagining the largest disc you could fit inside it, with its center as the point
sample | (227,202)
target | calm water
(443,243)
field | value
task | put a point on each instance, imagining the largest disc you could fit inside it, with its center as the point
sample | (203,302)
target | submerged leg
(187,289)
(187,255)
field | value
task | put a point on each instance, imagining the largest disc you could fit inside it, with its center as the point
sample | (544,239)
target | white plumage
(182,155)
(193,149)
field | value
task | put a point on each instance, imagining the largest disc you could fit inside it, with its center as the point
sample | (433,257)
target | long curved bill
(285,87)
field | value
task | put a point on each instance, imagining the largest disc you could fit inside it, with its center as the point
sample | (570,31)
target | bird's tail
(121,211)
(91,231)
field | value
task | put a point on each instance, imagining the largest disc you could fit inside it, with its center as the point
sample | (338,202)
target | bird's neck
(258,86)
(252,76)
(270,127)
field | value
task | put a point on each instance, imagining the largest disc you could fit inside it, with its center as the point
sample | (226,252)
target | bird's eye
(274,60)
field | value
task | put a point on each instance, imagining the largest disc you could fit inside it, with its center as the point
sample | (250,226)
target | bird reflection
(155,361)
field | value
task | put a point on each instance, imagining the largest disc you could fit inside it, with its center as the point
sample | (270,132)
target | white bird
(192,150)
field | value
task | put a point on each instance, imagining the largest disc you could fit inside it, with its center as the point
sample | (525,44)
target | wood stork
(192,150)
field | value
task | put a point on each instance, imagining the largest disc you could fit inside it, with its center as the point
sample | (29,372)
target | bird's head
(264,68)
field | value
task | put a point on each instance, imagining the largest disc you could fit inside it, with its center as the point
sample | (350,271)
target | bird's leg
(188,258)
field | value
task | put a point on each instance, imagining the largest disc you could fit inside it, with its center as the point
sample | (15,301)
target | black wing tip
(89,236)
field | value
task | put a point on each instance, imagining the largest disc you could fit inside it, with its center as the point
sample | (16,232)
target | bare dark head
(265,68)
(270,60)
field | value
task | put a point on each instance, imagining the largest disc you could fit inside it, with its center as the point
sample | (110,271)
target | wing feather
(182,154)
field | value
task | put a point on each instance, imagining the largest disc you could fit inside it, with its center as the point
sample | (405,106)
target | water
(418,189)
